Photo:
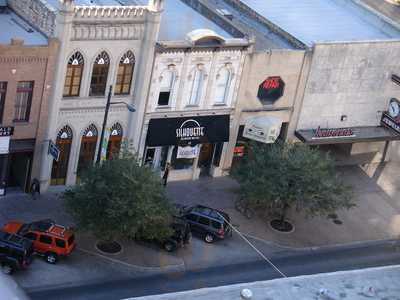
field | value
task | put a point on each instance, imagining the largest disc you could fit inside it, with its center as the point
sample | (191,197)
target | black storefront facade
(16,158)
(193,145)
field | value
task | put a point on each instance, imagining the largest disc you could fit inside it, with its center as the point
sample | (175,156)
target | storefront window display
(180,163)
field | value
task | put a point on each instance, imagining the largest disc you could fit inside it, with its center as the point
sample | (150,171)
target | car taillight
(221,232)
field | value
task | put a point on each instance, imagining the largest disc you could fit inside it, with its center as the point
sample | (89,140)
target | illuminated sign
(271,89)
(323,133)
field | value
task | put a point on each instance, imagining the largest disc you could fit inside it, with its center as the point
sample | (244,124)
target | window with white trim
(166,86)
(99,75)
(197,77)
(222,86)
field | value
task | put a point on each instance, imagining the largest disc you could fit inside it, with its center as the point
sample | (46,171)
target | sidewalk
(376,217)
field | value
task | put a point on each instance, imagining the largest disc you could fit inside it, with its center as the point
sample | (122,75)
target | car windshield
(42,225)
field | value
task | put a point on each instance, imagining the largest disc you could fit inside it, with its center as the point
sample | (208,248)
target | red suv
(49,239)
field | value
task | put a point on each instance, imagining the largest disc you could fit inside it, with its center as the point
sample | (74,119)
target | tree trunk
(283,214)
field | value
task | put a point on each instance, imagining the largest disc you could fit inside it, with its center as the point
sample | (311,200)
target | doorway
(60,168)
(20,165)
(87,150)
(205,158)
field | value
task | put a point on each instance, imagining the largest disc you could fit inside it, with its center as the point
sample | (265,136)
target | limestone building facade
(103,44)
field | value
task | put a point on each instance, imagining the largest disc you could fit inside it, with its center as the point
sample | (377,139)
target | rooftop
(178,19)
(12,26)
(264,37)
(313,21)
(373,283)
(385,8)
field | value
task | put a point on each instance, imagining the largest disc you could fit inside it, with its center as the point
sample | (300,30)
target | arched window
(88,148)
(74,75)
(166,86)
(114,142)
(197,85)
(60,168)
(125,73)
(222,86)
(99,75)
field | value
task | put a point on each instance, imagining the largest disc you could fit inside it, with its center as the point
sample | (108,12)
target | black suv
(180,237)
(15,252)
(209,223)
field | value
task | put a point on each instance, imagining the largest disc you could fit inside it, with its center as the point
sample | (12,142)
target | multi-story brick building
(27,61)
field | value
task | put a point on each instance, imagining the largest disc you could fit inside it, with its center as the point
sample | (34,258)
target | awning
(26,145)
(346,135)
(188,130)
(264,129)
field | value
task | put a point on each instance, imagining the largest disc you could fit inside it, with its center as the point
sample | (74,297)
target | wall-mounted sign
(325,133)
(263,129)
(54,151)
(6,130)
(187,152)
(271,89)
(391,118)
(4,144)
(396,79)
(188,130)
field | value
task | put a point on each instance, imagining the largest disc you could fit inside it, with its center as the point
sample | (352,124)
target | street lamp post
(130,108)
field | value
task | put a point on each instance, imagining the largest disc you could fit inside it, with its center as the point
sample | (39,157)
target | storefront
(352,145)
(262,129)
(192,145)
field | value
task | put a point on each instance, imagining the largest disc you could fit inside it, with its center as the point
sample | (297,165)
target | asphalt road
(291,264)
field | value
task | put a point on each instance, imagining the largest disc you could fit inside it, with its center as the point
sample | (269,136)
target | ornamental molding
(22,59)
(109,12)
(78,112)
(82,31)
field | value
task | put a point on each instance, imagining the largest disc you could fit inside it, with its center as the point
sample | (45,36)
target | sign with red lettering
(324,133)
(271,89)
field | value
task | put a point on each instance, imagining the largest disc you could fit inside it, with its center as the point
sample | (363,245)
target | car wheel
(7,269)
(209,238)
(169,247)
(51,258)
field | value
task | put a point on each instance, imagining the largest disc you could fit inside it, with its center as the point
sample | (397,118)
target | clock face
(394,109)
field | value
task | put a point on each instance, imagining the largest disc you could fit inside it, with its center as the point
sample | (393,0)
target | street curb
(167,268)
(344,245)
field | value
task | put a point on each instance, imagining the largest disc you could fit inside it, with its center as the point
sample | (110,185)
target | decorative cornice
(83,31)
(109,12)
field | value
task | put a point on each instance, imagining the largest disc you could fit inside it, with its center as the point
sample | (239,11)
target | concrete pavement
(377,215)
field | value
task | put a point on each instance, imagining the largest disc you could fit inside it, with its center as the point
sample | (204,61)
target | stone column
(142,84)
(63,31)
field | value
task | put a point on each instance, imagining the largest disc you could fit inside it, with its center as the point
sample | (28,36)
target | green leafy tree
(278,176)
(120,199)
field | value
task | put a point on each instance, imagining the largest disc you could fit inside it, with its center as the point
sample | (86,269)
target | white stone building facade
(193,82)
(100,46)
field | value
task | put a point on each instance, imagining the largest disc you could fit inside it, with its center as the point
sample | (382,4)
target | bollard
(246,294)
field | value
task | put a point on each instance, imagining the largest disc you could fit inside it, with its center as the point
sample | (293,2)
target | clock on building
(394,108)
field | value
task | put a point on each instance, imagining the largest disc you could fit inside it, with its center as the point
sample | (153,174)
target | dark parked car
(208,223)
(15,252)
(180,237)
